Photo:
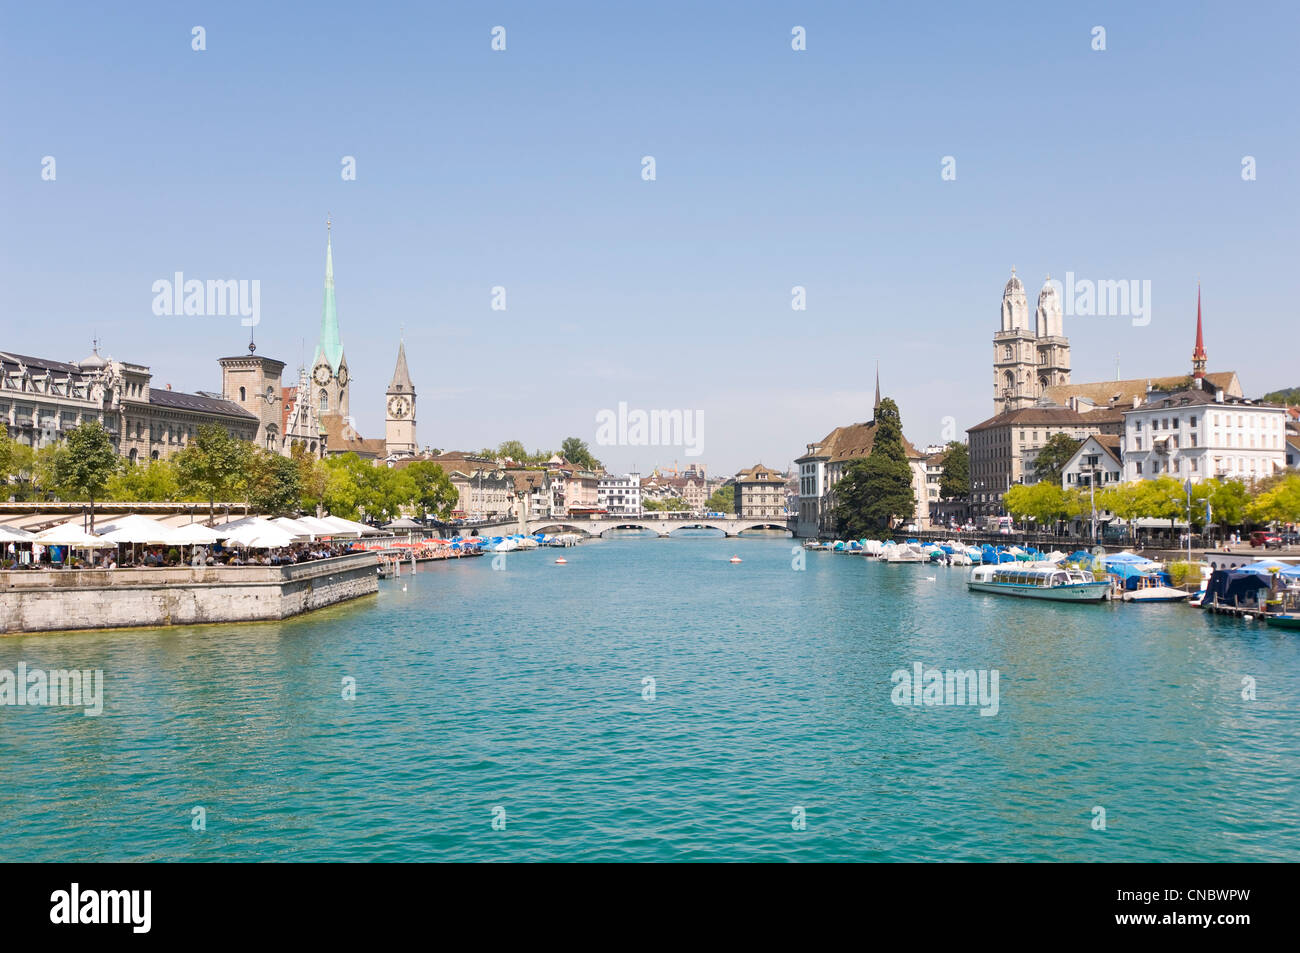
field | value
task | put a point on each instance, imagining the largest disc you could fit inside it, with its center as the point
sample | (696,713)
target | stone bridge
(659,523)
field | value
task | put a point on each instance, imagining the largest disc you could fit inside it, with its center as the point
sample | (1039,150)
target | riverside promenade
(71,599)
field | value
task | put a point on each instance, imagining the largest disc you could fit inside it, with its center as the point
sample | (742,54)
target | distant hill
(1290,396)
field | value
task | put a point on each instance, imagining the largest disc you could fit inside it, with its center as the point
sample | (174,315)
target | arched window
(242,396)
(324,402)
(1008,382)
(1006,352)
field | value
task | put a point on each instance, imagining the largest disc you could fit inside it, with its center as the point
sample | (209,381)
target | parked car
(1291,539)
(1265,538)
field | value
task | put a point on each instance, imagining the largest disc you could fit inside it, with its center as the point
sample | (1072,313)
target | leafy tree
(513,450)
(723,500)
(358,486)
(954,483)
(272,483)
(578,453)
(1228,501)
(1045,503)
(86,463)
(313,476)
(667,504)
(1280,503)
(1288,395)
(877,490)
(152,481)
(212,464)
(434,491)
(1054,455)
(6,457)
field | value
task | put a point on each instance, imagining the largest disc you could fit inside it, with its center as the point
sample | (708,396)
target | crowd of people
(125,556)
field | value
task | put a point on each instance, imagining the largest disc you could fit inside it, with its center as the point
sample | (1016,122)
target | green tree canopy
(435,494)
(578,453)
(86,462)
(272,483)
(955,481)
(1053,457)
(722,500)
(212,464)
(876,491)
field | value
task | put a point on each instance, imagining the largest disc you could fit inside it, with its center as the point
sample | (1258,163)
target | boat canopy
(1233,585)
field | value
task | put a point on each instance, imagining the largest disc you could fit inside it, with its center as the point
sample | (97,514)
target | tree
(313,475)
(153,481)
(211,464)
(722,500)
(86,463)
(667,504)
(579,454)
(434,491)
(876,491)
(272,483)
(1045,503)
(512,450)
(955,481)
(6,458)
(1053,457)
(1279,504)
(1228,502)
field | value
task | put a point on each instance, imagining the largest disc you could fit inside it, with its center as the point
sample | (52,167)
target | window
(324,402)
(1139,468)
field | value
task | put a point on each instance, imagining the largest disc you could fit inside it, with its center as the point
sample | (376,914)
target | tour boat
(734,559)
(1038,582)
(561,561)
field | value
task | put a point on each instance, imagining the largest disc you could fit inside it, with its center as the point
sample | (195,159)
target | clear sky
(774,168)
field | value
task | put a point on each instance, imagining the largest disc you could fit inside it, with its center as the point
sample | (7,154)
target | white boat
(1038,581)
(1151,589)
(902,554)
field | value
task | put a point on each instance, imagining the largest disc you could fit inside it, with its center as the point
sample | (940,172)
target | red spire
(1198,355)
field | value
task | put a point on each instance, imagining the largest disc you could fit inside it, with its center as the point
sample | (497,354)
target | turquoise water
(523,689)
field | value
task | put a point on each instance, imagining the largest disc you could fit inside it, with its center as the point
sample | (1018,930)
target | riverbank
(62,600)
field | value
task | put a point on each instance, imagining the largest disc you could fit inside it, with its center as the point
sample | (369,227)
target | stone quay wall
(68,599)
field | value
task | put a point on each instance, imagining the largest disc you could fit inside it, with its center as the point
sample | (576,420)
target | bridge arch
(552,529)
(781,527)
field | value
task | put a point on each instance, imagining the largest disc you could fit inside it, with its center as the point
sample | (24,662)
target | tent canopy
(138,529)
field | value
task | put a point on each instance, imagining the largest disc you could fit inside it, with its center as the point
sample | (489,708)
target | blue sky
(774,168)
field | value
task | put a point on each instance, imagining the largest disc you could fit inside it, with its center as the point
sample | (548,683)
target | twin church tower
(1027,361)
(316,413)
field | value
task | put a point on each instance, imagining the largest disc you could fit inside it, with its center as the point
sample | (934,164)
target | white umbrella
(259,537)
(138,529)
(318,527)
(344,527)
(195,534)
(72,537)
(294,527)
(12,534)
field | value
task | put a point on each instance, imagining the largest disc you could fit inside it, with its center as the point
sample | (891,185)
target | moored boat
(1036,581)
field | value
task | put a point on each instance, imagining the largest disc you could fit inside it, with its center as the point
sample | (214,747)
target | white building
(620,495)
(1200,433)
(1095,463)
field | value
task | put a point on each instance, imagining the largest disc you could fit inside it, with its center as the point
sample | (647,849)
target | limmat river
(509,714)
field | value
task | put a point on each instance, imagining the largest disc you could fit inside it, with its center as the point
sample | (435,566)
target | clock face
(321,375)
(398,406)
(343,377)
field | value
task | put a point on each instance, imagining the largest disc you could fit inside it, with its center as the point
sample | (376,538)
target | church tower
(1053,345)
(399,428)
(1026,361)
(329,373)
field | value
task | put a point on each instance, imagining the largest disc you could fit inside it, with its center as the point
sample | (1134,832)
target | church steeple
(331,345)
(876,410)
(401,375)
(1199,360)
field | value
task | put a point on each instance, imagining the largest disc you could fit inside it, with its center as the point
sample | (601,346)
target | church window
(242,395)
(1006,353)
(324,402)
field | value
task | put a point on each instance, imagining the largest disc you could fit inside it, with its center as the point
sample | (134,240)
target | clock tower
(399,427)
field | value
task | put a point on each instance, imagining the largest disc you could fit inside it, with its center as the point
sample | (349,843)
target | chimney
(1136,400)
(1218,395)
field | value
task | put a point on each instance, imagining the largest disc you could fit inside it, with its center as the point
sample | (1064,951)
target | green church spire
(331,346)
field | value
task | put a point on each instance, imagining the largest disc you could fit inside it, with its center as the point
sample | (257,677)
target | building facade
(41,400)
(620,495)
(760,491)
